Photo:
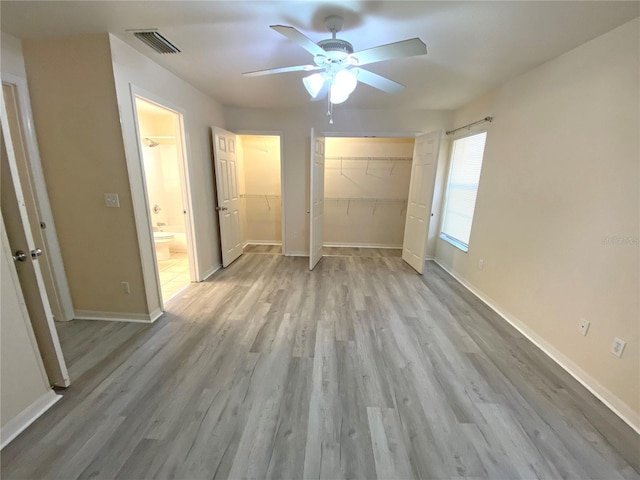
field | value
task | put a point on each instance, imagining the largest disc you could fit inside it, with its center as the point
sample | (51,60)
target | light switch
(111,200)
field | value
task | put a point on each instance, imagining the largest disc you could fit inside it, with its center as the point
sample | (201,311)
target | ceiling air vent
(156,41)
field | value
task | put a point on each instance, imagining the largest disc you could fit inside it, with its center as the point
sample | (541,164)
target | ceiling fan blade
(378,81)
(297,68)
(299,38)
(405,48)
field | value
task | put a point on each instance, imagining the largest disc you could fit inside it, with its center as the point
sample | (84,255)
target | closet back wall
(260,188)
(366,190)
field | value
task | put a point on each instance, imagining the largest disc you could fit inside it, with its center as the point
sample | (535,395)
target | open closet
(260,191)
(359,173)
(366,187)
(259,183)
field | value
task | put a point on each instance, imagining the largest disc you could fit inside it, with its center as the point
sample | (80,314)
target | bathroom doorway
(165,172)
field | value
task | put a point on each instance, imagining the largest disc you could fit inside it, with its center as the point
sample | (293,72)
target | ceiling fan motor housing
(337,49)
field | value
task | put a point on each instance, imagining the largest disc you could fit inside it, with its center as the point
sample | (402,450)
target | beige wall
(295,125)
(556,219)
(12,57)
(349,175)
(78,126)
(132,69)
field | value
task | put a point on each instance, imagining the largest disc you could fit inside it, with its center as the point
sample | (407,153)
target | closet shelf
(264,196)
(258,195)
(373,159)
(367,199)
(375,201)
(393,160)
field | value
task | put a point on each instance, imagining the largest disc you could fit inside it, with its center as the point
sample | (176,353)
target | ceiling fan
(338,66)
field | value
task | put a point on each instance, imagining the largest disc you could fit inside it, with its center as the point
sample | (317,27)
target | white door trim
(42,197)
(140,197)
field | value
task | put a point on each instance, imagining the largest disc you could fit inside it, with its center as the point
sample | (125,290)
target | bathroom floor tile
(174,274)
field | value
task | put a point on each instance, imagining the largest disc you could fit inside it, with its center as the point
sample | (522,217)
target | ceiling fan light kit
(340,65)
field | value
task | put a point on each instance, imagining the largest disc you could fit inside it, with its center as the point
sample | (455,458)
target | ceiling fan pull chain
(330,109)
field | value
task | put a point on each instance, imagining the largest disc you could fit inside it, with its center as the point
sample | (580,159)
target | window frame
(442,235)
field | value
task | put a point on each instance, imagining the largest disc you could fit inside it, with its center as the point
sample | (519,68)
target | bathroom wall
(262,201)
(378,169)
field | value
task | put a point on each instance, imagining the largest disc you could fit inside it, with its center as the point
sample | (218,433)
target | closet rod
(469,125)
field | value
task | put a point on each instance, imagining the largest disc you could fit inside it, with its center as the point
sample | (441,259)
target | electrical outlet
(112,200)
(480,264)
(125,288)
(583,327)
(618,347)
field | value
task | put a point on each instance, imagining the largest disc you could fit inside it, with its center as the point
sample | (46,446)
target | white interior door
(34,191)
(423,174)
(316,202)
(21,241)
(226,170)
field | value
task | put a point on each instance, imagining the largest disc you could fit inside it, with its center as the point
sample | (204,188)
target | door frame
(275,133)
(49,347)
(34,164)
(144,222)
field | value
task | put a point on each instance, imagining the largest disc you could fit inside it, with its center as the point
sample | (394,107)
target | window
(462,189)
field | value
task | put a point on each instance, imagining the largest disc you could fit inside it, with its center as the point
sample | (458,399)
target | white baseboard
(617,406)
(210,272)
(117,316)
(296,254)
(26,417)
(363,245)
(156,314)
(262,242)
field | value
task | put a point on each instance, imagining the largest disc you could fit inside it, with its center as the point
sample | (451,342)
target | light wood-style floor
(359,369)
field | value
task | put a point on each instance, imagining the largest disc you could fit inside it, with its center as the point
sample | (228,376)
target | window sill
(456,243)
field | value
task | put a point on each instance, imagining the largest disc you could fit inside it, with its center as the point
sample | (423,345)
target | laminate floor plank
(357,369)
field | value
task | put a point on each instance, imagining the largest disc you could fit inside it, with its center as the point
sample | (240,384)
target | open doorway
(165,172)
(259,175)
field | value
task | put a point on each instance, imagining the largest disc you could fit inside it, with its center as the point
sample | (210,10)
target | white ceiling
(473,46)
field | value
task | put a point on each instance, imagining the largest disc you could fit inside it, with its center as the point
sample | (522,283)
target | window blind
(462,189)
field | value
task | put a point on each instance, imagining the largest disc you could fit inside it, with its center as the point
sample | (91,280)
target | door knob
(36,253)
(20,256)
(221,209)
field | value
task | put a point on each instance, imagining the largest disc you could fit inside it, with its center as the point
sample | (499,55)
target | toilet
(161,241)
